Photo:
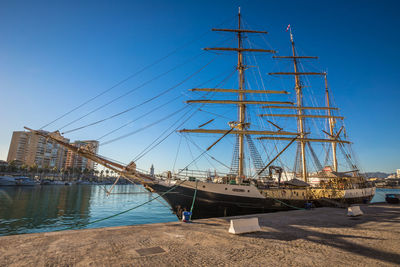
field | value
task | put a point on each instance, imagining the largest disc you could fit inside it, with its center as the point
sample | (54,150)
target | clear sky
(54,55)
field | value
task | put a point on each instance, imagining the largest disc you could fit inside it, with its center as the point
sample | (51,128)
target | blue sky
(54,55)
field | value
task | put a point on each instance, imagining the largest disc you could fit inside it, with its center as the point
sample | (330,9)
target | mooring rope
(122,212)
(290,206)
(194,199)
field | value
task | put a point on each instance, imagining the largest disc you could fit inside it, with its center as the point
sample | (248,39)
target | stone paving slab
(319,237)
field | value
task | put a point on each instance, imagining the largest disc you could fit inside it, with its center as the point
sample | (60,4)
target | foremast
(241,126)
(242,107)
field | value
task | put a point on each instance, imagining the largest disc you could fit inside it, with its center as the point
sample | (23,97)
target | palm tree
(24,168)
(62,172)
(13,166)
(78,172)
(54,170)
(46,170)
(69,172)
(33,168)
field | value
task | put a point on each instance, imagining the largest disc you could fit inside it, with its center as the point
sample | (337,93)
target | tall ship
(288,148)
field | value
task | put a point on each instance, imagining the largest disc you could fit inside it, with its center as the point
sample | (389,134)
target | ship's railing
(186,174)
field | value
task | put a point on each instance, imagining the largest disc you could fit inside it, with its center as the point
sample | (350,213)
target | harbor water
(32,209)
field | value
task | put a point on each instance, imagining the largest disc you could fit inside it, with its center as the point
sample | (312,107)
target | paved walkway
(320,237)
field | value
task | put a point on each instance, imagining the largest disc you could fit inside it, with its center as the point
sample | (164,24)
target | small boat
(19,180)
(7,181)
(392,198)
(24,181)
(45,182)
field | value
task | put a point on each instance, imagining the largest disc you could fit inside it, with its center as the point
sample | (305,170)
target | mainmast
(331,126)
(300,121)
(299,102)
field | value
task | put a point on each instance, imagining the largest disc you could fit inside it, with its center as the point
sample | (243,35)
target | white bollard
(241,226)
(354,211)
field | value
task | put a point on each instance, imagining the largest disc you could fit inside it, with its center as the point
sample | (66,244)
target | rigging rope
(144,152)
(139,117)
(177,152)
(202,150)
(191,154)
(138,87)
(149,148)
(264,97)
(145,102)
(152,110)
(145,127)
(133,75)
(130,91)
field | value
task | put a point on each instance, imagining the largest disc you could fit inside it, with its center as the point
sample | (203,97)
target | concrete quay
(319,237)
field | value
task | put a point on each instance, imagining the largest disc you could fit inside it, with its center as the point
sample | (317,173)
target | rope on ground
(290,206)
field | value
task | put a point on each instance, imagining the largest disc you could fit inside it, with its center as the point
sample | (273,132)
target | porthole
(226,188)
(204,186)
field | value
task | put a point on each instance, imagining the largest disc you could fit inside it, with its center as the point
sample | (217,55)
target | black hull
(210,205)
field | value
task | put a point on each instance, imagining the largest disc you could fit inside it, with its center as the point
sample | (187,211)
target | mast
(300,120)
(242,106)
(331,126)
(240,126)
(302,140)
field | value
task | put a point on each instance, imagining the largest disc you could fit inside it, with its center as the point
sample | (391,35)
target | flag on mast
(288,27)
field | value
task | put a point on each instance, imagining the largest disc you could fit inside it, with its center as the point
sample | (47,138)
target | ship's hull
(209,204)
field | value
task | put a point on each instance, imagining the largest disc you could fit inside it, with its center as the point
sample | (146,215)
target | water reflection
(50,208)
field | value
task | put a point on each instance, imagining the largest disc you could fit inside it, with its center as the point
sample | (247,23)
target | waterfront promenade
(319,237)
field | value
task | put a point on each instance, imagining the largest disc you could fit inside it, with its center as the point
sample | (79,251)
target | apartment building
(31,149)
(73,160)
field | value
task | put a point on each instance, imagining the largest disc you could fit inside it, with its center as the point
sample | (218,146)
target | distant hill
(377,174)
